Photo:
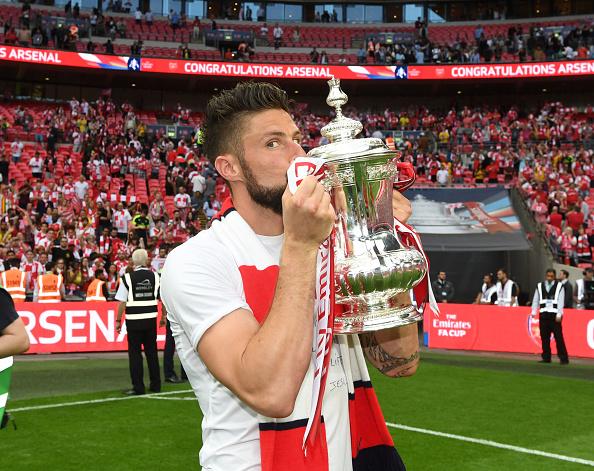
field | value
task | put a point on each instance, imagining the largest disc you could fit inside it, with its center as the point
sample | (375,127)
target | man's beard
(269,198)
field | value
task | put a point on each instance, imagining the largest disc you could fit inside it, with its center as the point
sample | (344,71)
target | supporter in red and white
(575,219)
(211,206)
(157,209)
(182,202)
(121,220)
(36,164)
(176,228)
(32,269)
(568,243)
(555,219)
(81,188)
(583,251)
(68,188)
(158,261)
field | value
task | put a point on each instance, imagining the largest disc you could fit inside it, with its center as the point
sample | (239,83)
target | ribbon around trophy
(300,168)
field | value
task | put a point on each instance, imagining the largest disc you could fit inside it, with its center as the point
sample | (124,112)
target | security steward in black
(549,299)
(139,298)
(443,289)
(567,289)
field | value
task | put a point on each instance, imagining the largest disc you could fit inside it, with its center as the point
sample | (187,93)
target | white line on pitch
(97,401)
(504,446)
(478,441)
(171,398)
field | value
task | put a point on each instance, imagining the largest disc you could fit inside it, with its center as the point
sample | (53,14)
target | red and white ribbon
(300,168)
(423,290)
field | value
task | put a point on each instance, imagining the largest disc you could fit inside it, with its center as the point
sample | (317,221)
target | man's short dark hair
(551,270)
(566,273)
(226,113)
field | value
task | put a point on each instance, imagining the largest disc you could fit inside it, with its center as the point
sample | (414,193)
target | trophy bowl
(372,265)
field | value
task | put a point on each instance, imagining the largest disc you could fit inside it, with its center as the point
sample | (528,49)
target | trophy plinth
(372,266)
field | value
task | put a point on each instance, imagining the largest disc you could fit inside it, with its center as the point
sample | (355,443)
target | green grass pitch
(517,402)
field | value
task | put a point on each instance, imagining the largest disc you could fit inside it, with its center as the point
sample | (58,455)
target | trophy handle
(406,176)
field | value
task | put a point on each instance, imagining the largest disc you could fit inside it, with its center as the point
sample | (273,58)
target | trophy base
(398,316)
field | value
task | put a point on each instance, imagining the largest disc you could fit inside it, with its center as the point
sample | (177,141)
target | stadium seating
(331,36)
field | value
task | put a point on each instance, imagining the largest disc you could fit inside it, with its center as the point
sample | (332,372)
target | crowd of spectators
(83,212)
(68,216)
(556,176)
(521,44)
(547,154)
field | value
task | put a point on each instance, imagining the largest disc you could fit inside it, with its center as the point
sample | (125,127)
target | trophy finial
(336,97)
(340,128)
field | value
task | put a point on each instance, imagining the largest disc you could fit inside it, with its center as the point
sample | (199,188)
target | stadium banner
(75,327)
(501,71)
(504,329)
(466,219)
(296,71)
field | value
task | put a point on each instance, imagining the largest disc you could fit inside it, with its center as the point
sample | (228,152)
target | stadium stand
(72,170)
(348,44)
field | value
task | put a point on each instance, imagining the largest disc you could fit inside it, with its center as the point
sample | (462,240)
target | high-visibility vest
(13,281)
(580,290)
(488,293)
(48,288)
(143,290)
(95,291)
(504,294)
(390,143)
(549,301)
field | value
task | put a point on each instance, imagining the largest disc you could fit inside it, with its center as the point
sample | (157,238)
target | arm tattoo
(383,360)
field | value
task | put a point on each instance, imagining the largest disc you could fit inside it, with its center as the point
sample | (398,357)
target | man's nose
(299,152)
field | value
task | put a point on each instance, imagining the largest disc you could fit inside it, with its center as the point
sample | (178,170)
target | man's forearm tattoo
(383,360)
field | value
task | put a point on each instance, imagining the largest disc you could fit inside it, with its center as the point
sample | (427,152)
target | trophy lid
(342,133)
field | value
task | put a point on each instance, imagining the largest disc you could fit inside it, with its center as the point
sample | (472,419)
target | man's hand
(559,318)
(401,207)
(118,325)
(308,215)
(163,321)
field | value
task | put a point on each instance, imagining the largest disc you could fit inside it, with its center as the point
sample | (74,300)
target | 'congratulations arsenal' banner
(296,71)
(75,327)
(504,329)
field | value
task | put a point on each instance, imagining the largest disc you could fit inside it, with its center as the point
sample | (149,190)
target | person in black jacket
(443,289)
(568,287)
(139,297)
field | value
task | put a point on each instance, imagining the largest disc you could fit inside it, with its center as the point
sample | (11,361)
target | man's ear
(228,167)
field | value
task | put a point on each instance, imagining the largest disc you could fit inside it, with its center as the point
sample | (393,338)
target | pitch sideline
(478,441)
(96,401)
(504,446)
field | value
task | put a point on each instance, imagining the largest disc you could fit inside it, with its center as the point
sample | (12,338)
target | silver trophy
(372,266)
